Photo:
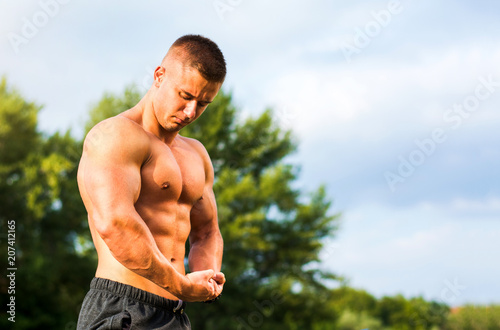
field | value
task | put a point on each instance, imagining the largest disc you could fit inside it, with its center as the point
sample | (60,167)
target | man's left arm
(205,239)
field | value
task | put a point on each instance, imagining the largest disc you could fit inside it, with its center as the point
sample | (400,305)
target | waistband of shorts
(137,294)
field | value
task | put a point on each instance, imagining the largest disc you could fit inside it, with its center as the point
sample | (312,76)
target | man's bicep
(204,216)
(110,175)
(204,213)
(111,187)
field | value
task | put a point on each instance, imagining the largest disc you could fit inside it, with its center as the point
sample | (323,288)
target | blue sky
(395,104)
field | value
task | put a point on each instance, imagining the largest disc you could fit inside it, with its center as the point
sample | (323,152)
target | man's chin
(173,128)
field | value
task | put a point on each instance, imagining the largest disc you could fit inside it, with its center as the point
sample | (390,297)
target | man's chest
(173,175)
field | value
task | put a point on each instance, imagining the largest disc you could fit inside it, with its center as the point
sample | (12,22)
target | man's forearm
(206,253)
(132,244)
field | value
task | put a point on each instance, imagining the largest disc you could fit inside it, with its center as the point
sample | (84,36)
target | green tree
(350,320)
(358,301)
(38,191)
(392,311)
(272,231)
(426,314)
(472,317)
(400,313)
(110,105)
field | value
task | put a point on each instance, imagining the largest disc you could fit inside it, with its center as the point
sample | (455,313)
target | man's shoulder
(116,127)
(116,132)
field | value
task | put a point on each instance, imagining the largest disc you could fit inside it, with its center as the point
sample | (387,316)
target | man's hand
(219,279)
(202,286)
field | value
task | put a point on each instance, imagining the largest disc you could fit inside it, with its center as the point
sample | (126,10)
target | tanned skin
(147,190)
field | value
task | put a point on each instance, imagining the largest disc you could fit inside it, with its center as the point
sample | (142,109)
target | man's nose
(190,109)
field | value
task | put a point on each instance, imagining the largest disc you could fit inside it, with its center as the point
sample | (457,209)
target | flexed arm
(206,243)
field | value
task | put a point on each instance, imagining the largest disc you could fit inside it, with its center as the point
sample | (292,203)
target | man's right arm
(109,173)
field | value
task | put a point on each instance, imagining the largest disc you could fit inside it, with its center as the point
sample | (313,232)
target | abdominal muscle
(170,241)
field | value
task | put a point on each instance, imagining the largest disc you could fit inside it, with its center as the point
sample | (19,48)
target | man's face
(181,95)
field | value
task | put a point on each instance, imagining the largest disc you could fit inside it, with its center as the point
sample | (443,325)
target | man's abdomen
(170,236)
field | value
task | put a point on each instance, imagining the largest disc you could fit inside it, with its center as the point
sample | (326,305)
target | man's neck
(143,114)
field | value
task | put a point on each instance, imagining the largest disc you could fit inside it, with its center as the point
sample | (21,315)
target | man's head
(201,54)
(188,79)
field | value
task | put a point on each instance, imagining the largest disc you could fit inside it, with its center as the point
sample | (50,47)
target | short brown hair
(204,55)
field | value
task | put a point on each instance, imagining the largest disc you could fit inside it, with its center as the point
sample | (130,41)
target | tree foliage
(38,190)
(110,105)
(471,317)
(271,230)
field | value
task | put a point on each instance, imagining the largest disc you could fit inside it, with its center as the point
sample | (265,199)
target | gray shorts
(114,305)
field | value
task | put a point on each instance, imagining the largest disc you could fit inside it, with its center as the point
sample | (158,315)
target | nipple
(165,185)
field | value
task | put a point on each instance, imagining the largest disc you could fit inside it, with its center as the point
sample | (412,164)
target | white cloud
(370,98)
(487,208)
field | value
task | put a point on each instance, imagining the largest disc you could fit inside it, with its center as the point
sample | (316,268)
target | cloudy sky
(395,103)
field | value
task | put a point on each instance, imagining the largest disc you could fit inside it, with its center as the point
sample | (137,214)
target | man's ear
(159,75)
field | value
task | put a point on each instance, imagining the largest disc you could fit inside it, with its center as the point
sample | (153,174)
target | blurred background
(356,147)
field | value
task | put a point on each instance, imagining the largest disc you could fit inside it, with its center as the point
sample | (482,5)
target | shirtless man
(147,190)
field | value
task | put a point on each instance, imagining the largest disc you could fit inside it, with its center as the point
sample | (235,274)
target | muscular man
(147,190)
